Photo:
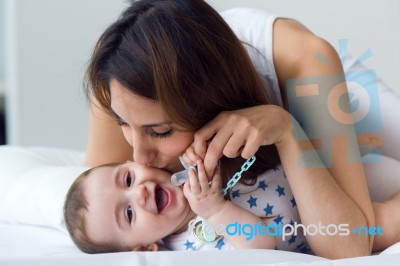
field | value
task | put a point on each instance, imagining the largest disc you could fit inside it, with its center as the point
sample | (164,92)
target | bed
(31,225)
(33,184)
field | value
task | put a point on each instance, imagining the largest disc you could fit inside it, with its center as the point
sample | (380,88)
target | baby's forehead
(100,177)
(103,169)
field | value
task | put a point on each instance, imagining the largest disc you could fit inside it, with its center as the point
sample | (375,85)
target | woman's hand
(205,199)
(239,132)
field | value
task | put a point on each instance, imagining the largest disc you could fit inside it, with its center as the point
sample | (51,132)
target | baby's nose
(140,193)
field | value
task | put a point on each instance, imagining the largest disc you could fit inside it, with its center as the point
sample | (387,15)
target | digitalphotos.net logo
(319,101)
(284,231)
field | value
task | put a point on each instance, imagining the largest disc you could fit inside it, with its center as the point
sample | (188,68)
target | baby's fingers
(194,185)
(203,180)
(190,157)
(216,181)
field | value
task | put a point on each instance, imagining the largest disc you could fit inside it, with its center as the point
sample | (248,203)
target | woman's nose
(143,151)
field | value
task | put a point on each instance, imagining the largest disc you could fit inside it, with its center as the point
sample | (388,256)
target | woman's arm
(320,199)
(343,198)
(334,195)
(106,143)
(207,201)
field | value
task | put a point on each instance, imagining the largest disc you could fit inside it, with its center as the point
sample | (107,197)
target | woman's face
(156,141)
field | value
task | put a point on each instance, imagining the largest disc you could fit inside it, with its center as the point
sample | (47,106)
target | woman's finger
(235,144)
(250,147)
(215,150)
(203,136)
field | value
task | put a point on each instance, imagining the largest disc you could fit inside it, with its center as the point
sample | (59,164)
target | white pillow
(34,182)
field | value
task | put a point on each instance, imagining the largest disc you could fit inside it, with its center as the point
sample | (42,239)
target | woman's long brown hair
(182,54)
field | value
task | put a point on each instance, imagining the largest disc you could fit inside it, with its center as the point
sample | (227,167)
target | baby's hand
(190,157)
(205,199)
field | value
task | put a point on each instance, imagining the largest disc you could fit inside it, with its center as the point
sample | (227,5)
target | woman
(178,81)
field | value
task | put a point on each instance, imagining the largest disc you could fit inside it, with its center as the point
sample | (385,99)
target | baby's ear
(150,247)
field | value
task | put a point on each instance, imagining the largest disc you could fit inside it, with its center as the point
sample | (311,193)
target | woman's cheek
(179,143)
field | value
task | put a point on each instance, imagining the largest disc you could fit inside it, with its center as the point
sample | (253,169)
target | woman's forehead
(128,105)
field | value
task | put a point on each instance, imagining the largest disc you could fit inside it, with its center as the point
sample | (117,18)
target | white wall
(367,24)
(49,43)
(2,55)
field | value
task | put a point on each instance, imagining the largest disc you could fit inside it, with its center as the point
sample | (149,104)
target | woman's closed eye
(160,133)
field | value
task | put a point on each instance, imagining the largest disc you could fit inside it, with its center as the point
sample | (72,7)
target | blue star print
(278,219)
(252,202)
(262,185)
(292,240)
(235,193)
(190,245)
(293,201)
(268,209)
(220,243)
(280,190)
(303,248)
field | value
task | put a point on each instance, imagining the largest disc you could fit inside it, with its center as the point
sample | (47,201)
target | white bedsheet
(25,240)
(34,245)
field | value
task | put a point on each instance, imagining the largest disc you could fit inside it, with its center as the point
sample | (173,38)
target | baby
(131,207)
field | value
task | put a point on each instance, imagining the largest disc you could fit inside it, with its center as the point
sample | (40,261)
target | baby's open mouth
(162,198)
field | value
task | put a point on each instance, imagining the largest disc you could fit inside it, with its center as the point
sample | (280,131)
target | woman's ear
(150,247)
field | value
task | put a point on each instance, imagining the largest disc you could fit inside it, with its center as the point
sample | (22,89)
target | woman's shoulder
(296,49)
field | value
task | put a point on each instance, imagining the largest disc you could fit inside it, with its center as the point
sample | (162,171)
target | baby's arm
(207,201)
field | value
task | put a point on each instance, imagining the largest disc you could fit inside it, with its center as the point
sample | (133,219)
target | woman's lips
(163,198)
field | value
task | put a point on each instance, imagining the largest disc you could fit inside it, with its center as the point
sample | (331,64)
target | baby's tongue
(161,198)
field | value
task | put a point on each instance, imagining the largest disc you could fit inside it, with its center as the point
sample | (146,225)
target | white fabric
(255,27)
(383,176)
(39,246)
(34,182)
(272,197)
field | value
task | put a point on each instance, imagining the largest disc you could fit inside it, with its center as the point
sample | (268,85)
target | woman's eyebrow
(157,124)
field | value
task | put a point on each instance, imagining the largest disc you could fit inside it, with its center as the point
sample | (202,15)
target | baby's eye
(129,213)
(128,180)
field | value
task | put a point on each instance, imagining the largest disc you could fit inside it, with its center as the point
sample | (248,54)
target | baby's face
(131,205)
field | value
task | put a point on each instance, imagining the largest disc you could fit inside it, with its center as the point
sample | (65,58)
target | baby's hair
(75,208)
